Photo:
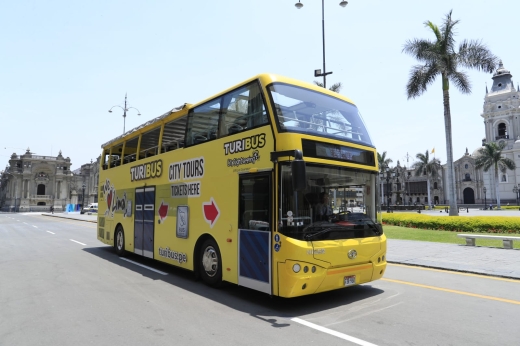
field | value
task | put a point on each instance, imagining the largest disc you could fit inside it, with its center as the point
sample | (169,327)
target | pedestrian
(52,210)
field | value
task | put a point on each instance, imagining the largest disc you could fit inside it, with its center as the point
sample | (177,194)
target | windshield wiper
(370,223)
(309,236)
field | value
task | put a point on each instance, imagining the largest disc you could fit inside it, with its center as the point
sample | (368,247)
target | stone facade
(37,183)
(501,111)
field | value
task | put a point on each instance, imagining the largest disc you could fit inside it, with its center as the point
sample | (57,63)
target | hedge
(469,224)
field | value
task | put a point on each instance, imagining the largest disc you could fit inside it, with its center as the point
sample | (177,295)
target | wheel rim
(210,261)
(119,240)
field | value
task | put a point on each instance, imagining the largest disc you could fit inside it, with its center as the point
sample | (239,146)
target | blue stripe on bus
(254,255)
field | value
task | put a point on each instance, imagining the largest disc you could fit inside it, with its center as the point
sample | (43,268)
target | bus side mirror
(299,179)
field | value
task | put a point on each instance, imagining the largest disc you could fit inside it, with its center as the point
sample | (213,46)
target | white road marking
(77,241)
(333,332)
(25,223)
(35,226)
(142,265)
(51,232)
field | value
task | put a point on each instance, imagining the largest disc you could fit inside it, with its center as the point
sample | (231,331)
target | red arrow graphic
(211,212)
(163,211)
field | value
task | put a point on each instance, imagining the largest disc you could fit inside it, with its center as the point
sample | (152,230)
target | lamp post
(387,175)
(517,191)
(14,182)
(83,196)
(125,109)
(318,73)
(485,201)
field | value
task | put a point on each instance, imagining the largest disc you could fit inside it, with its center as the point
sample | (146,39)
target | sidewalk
(471,259)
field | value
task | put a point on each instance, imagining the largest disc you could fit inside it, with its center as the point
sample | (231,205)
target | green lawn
(397,232)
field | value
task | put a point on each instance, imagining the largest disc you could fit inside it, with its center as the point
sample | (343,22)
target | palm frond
(461,81)
(476,55)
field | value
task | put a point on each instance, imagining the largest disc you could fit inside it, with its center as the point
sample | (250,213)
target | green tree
(441,58)
(490,155)
(384,164)
(335,87)
(427,167)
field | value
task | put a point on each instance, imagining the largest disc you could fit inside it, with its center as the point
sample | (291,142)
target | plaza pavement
(498,262)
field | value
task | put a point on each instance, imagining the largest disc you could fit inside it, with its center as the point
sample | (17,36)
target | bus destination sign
(337,152)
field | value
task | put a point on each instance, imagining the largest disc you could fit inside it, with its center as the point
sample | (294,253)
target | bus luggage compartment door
(254,233)
(144,221)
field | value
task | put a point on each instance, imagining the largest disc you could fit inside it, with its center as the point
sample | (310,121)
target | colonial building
(501,113)
(36,183)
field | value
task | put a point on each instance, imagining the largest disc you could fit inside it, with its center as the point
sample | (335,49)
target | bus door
(144,221)
(254,233)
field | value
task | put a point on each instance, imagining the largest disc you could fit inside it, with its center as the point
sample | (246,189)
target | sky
(66,63)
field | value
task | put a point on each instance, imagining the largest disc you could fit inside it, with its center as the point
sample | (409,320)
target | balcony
(502,137)
(42,197)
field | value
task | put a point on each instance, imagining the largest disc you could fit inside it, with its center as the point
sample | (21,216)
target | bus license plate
(350,280)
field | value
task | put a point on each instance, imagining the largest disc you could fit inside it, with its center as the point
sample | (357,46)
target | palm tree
(490,155)
(427,167)
(384,164)
(440,57)
(336,87)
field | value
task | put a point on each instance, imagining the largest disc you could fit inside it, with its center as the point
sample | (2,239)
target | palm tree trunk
(497,192)
(450,179)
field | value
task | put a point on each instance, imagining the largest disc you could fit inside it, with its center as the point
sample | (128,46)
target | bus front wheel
(210,263)
(119,241)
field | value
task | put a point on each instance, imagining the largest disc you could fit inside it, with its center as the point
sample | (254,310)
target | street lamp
(318,73)
(125,109)
(517,191)
(388,174)
(83,197)
(14,182)
(485,202)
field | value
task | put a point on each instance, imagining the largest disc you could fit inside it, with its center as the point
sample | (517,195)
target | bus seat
(212,133)
(234,128)
(199,139)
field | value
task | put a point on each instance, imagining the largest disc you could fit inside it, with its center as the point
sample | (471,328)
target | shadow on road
(243,299)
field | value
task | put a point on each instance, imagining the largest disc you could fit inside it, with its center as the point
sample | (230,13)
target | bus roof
(266,78)
(142,126)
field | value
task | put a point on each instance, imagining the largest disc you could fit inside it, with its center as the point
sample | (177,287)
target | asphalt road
(60,286)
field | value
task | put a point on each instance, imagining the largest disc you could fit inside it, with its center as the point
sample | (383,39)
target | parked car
(91,208)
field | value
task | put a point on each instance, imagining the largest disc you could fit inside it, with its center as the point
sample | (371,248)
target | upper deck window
(310,112)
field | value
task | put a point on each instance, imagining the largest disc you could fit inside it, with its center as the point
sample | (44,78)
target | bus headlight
(296,268)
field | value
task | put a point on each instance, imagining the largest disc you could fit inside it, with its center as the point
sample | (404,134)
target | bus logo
(244,144)
(146,171)
(352,254)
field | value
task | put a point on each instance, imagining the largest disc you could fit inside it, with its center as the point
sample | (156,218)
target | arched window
(467,177)
(435,185)
(504,178)
(41,189)
(502,129)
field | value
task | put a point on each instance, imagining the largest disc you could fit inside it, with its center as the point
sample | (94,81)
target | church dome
(501,70)
(476,153)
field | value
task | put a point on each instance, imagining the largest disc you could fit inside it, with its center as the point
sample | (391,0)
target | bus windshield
(338,203)
(310,112)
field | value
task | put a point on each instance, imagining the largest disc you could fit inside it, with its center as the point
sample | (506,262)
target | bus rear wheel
(210,263)
(119,241)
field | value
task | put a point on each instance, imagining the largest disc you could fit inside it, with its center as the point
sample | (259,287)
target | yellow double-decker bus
(271,185)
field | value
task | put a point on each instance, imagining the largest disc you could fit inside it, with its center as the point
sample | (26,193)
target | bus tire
(119,241)
(210,263)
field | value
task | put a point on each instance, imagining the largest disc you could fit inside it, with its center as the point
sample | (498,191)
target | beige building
(36,183)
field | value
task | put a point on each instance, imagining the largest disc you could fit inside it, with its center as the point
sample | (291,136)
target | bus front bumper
(294,284)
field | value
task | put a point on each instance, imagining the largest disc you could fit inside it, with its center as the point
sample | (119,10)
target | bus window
(243,109)
(173,135)
(203,123)
(117,151)
(149,143)
(130,150)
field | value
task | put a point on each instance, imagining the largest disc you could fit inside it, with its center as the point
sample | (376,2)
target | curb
(69,218)
(455,270)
